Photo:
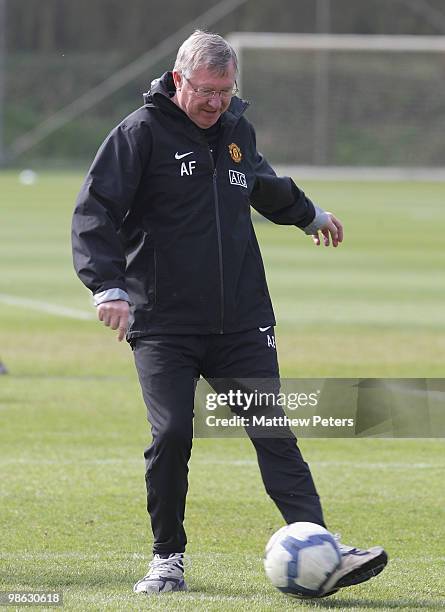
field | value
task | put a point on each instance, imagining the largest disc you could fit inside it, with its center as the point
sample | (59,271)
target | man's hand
(114,314)
(332,229)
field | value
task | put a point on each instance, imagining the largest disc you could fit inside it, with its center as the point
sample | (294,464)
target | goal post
(346,105)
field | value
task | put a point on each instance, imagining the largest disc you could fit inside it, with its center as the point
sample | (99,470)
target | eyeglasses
(206,92)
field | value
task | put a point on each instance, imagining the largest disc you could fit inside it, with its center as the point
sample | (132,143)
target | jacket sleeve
(277,197)
(106,196)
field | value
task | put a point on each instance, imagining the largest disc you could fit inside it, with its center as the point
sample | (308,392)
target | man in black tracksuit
(162,235)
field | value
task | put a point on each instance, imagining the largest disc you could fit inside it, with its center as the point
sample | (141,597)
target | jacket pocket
(259,273)
(141,277)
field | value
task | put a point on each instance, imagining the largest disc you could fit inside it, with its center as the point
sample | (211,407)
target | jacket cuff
(110,295)
(320,219)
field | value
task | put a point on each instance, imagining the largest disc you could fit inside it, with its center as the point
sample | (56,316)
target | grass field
(73,424)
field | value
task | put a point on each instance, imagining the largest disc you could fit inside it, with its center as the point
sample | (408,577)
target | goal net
(330,102)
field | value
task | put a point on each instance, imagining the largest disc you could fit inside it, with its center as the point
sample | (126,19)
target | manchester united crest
(235,152)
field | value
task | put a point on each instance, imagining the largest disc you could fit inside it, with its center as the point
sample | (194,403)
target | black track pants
(168,366)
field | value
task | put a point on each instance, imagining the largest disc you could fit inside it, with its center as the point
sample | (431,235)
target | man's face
(204,111)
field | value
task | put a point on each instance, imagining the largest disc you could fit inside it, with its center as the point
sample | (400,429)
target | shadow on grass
(372,604)
(337,602)
(58,579)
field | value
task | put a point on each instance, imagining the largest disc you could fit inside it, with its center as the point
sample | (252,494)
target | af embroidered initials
(188,167)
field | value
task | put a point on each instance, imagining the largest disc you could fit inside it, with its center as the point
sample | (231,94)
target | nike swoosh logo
(262,329)
(181,155)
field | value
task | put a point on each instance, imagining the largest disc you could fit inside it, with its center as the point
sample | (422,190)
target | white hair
(204,49)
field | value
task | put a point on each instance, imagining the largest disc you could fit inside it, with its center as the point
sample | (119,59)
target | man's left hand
(332,230)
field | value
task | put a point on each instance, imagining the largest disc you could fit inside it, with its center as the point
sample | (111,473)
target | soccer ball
(301,558)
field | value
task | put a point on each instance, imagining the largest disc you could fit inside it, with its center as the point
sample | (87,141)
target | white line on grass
(196,557)
(241,462)
(349,464)
(54,309)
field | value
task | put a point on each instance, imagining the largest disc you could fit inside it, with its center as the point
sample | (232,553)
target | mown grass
(73,428)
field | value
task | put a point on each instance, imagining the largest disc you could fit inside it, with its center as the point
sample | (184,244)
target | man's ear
(177,79)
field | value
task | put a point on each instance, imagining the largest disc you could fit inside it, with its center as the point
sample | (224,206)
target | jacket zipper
(218,230)
(155,265)
(218,233)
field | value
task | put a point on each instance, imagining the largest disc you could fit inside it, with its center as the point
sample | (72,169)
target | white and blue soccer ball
(301,558)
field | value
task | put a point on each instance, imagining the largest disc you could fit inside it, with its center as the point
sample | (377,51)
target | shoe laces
(168,566)
(343,548)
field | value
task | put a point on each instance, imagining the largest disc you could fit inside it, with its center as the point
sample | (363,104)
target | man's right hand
(115,314)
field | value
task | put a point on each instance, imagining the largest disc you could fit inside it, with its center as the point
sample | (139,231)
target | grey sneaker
(357,565)
(164,575)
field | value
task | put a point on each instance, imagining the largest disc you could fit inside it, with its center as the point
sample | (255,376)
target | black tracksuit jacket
(159,219)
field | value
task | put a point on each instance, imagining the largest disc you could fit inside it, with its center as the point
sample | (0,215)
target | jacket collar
(163,89)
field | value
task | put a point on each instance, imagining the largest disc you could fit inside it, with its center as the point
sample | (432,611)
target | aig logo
(237,178)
